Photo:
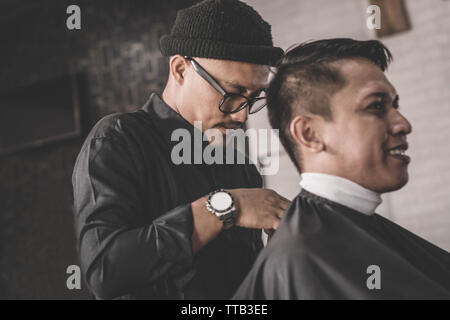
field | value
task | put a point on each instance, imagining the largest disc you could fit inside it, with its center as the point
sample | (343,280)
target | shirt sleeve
(120,249)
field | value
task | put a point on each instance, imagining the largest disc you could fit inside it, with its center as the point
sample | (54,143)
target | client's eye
(376,106)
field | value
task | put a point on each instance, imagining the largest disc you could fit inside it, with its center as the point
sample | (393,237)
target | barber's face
(200,100)
(367,137)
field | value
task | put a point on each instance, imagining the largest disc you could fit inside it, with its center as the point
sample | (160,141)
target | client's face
(367,137)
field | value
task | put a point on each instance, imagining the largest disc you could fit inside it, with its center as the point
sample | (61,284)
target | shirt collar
(166,120)
(342,191)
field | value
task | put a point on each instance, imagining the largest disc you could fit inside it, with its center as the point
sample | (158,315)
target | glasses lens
(232,103)
(258,103)
(235,102)
(257,106)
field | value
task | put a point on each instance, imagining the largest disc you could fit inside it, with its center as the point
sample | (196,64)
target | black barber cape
(323,250)
(133,216)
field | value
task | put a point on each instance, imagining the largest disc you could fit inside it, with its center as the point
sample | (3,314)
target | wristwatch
(221,204)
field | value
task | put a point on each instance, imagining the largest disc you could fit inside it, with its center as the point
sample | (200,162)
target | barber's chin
(216,139)
(222,130)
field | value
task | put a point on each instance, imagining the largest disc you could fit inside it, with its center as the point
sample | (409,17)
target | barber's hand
(259,208)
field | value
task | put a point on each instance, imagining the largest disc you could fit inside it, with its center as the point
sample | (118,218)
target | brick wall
(421,74)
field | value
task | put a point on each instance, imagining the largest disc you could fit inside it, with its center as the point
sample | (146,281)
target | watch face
(221,201)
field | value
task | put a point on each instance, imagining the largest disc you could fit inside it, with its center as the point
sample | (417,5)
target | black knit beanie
(222,29)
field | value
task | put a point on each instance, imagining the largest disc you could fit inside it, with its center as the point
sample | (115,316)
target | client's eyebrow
(382,95)
(379,94)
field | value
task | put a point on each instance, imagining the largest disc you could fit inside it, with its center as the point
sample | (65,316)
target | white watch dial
(221,201)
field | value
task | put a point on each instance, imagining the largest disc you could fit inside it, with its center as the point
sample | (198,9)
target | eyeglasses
(231,102)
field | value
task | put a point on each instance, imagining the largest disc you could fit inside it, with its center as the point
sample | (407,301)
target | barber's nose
(400,125)
(240,116)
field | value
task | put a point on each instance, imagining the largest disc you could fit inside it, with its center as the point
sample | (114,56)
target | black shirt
(133,216)
(323,250)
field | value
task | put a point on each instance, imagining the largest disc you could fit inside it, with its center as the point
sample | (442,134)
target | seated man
(340,123)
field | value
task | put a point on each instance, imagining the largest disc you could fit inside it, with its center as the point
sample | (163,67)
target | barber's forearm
(206,225)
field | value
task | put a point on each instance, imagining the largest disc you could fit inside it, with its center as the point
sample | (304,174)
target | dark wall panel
(116,52)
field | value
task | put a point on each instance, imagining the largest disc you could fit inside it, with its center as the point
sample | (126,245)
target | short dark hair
(305,81)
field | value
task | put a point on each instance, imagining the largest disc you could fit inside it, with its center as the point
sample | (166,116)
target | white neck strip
(342,191)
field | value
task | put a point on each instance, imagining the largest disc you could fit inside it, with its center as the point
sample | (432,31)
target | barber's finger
(276,224)
(283,205)
(286,202)
(279,211)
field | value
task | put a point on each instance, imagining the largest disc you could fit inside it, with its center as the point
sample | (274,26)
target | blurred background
(113,63)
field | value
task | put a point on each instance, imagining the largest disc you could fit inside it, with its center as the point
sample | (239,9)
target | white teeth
(397,151)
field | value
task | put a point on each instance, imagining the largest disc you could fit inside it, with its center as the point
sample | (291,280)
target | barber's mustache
(231,125)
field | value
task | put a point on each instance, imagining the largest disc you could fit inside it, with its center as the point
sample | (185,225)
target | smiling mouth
(399,153)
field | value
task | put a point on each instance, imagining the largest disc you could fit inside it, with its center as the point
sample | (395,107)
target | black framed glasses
(231,102)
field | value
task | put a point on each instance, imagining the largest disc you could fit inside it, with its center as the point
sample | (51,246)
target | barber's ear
(178,66)
(306,132)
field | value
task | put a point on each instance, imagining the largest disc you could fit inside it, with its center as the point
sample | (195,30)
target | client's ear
(177,65)
(306,132)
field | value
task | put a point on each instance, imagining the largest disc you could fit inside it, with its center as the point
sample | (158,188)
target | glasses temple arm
(205,75)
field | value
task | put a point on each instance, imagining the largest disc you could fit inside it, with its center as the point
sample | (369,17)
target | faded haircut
(305,81)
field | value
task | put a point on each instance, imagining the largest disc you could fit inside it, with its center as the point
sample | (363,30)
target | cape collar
(342,191)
